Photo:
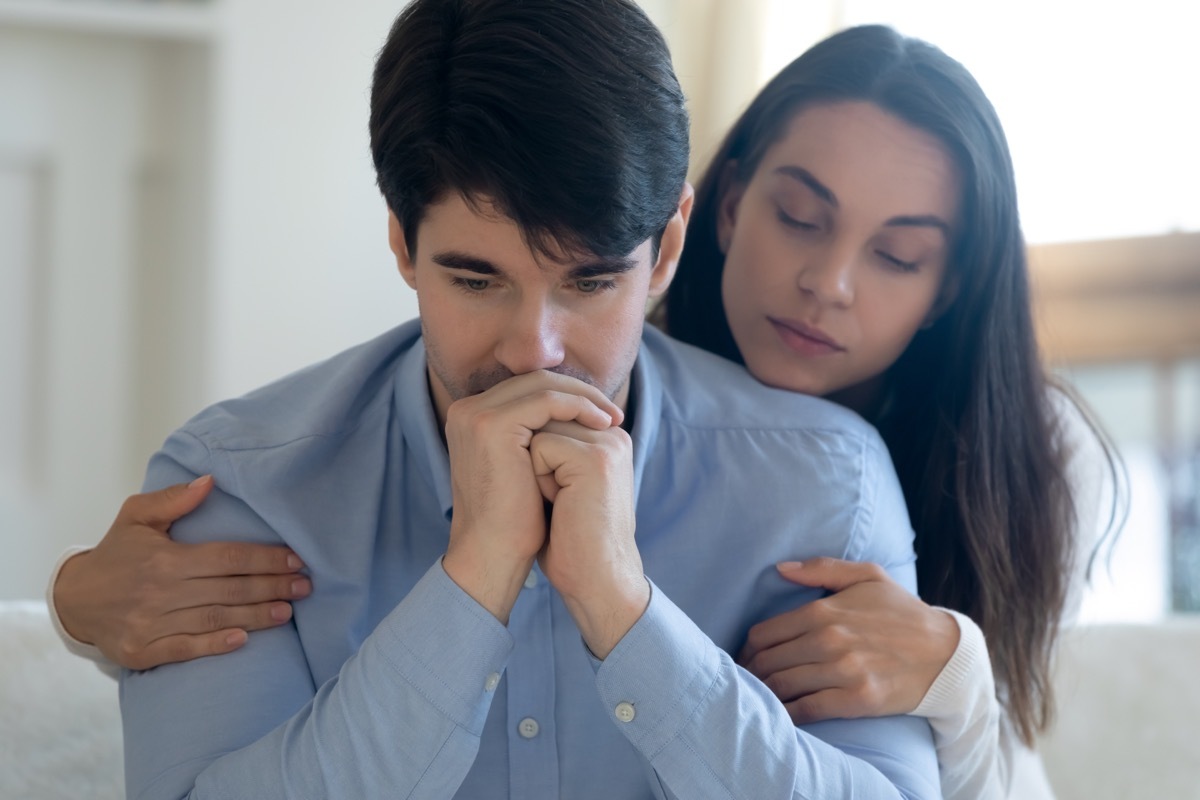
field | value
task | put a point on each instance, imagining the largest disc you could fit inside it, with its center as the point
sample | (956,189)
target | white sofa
(1129,726)
(1129,713)
(60,728)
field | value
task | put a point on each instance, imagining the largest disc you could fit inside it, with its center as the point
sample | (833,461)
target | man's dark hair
(566,115)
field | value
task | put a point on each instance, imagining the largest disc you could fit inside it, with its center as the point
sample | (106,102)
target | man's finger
(184,647)
(159,509)
(535,411)
(530,382)
(213,559)
(832,574)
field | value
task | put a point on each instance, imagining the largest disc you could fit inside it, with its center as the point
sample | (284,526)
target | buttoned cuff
(658,675)
(449,647)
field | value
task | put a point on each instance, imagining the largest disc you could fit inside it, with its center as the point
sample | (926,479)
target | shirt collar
(413,407)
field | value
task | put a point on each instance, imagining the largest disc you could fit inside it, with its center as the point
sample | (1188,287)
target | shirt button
(528,728)
(625,712)
(531,580)
(492,682)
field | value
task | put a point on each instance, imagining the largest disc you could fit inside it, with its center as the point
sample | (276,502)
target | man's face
(492,308)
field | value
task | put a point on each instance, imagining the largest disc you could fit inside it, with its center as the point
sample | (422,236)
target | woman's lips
(805,339)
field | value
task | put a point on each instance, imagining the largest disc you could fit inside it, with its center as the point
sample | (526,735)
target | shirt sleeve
(81,649)
(406,711)
(709,729)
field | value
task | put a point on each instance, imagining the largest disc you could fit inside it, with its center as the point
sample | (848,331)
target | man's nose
(533,339)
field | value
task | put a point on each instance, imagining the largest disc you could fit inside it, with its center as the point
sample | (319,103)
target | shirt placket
(532,739)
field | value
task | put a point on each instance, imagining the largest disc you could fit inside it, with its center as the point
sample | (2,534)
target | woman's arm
(140,600)
(872,649)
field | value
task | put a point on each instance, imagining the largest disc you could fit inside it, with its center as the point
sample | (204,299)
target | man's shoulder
(322,399)
(702,390)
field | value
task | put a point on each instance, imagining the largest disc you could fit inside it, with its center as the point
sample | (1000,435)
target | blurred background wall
(187,210)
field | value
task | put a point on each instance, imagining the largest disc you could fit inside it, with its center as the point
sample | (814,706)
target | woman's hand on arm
(145,600)
(870,649)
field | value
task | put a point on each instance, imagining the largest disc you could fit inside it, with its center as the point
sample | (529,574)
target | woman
(857,237)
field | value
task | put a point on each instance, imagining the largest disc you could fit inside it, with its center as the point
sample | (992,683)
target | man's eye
(593,285)
(471,284)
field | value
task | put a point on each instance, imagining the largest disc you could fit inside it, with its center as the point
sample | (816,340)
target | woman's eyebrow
(808,179)
(920,221)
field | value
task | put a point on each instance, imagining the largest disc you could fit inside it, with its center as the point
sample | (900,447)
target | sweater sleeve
(81,649)
(961,706)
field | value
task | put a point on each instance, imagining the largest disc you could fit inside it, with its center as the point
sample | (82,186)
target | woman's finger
(240,590)
(160,509)
(833,574)
(215,618)
(785,627)
(215,559)
(822,705)
(185,647)
(795,682)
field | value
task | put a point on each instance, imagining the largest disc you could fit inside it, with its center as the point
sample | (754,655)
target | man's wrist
(604,619)
(493,583)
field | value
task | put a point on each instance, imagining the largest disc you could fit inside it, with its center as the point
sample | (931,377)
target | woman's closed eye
(898,263)
(792,222)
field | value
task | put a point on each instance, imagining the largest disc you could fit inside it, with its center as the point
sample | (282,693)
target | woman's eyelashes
(799,224)
(898,263)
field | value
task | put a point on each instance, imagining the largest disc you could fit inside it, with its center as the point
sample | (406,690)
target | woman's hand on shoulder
(869,649)
(144,600)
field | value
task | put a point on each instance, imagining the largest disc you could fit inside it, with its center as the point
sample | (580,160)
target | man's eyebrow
(808,179)
(462,261)
(921,221)
(600,267)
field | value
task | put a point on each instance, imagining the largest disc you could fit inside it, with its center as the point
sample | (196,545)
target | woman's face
(835,251)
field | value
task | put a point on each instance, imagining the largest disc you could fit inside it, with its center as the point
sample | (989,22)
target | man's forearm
(410,685)
(710,729)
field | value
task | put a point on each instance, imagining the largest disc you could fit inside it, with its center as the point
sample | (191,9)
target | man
(534,531)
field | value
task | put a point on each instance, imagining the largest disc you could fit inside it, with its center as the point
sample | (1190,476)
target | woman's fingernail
(203,479)
(294,562)
(281,612)
(789,566)
(301,588)
(235,638)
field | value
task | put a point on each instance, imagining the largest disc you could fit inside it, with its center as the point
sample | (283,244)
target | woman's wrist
(64,597)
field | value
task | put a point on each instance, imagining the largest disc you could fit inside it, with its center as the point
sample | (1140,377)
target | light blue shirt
(392,682)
